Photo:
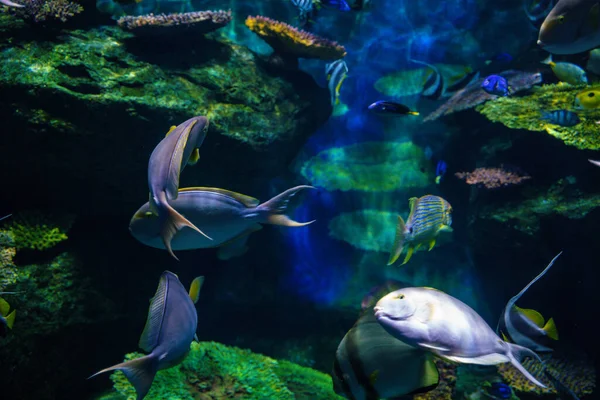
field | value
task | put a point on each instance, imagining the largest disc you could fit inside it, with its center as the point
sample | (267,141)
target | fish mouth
(380,313)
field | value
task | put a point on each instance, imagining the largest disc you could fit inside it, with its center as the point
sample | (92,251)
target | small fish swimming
(567,72)
(228,217)
(167,161)
(6,318)
(429,215)
(382,107)
(571,27)
(339,5)
(305,9)
(561,117)
(336,72)
(371,364)
(440,171)
(435,321)
(588,99)
(527,327)
(169,331)
(496,85)
(497,390)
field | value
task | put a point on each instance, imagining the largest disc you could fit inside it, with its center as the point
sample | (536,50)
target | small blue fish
(503,58)
(561,117)
(496,85)
(440,171)
(340,5)
(498,390)
(389,107)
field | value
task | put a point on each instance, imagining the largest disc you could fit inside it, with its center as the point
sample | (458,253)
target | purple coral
(473,95)
(192,22)
(492,178)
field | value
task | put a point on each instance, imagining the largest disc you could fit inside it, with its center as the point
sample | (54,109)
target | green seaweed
(38,231)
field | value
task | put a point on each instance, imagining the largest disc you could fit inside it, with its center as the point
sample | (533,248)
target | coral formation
(42,10)
(198,22)
(579,376)
(8,270)
(492,178)
(38,231)
(285,39)
(215,371)
(526,113)
(370,167)
(473,95)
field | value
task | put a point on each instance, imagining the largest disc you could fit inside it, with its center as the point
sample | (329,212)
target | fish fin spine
(409,254)
(550,329)
(139,372)
(172,224)
(398,241)
(431,244)
(273,210)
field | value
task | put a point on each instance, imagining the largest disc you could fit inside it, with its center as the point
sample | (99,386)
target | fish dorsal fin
(531,315)
(4,307)
(151,334)
(177,161)
(171,129)
(242,198)
(412,203)
(195,288)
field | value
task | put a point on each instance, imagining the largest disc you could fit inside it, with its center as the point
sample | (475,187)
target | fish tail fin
(173,223)
(398,241)
(10,319)
(550,329)
(140,373)
(275,208)
(548,60)
(516,354)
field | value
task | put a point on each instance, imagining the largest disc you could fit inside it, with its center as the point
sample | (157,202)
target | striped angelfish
(561,117)
(429,215)
(305,8)
(336,72)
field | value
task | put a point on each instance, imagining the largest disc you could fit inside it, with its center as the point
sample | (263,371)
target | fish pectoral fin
(434,347)
(194,157)
(487,359)
(236,247)
(445,228)
(550,329)
(195,288)
(531,315)
(171,129)
(431,244)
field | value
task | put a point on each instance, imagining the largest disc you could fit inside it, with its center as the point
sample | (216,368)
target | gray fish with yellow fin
(527,327)
(169,331)
(429,215)
(437,322)
(370,363)
(7,318)
(167,161)
(228,217)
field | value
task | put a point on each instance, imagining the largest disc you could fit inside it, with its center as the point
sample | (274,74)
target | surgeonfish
(168,159)
(440,171)
(370,364)
(526,327)
(429,215)
(7,318)
(571,27)
(169,331)
(435,321)
(561,117)
(228,218)
(567,72)
(382,107)
(336,72)
(588,99)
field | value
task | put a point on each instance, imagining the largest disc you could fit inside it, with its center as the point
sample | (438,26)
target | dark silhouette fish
(169,331)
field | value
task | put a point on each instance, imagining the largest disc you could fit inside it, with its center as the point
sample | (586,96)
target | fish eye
(561,19)
(400,297)
(592,94)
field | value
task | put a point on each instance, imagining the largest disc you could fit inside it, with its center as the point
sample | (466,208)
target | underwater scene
(299,199)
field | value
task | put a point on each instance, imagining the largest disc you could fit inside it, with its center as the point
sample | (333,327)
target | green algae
(526,113)
(370,167)
(215,371)
(38,231)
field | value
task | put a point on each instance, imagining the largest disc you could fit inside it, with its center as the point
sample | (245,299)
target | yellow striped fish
(429,215)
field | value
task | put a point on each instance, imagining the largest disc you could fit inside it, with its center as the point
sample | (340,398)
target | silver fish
(169,331)
(228,218)
(573,26)
(336,72)
(167,161)
(11,4)
(435,321)
(524,327)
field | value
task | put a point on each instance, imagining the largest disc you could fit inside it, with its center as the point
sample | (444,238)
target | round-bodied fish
(227,217)
(433,320)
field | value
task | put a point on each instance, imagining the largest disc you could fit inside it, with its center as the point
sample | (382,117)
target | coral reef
(370,167)
(579,376)
(38,231)
(526,113)
(492,178)
(290,41)
(191,23)
(562,198)
(43,10)
(472,95)
(215,371)
(8,270)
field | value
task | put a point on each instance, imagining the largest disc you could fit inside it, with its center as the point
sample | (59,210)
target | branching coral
(526,113)
(42,10)
(290,41)
(215,371)
(473,95)
(198,22)
(370,167)
(492,178)
(38,231)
